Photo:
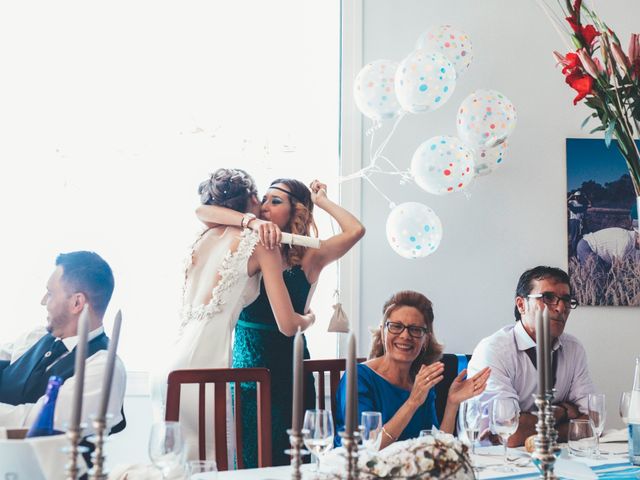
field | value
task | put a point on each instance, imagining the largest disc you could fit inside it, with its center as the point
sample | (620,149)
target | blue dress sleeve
(366,398)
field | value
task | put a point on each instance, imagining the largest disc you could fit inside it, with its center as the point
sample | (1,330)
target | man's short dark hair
(538,273)
(88,273)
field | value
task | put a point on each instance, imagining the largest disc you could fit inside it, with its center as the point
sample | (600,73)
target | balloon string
(375,187)
(384,143)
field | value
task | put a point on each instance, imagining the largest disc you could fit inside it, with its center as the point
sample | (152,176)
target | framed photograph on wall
(602,219)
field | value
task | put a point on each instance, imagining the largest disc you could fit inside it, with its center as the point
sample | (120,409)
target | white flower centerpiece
(440,456)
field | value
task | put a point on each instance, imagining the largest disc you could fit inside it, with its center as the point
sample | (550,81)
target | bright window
(113,112)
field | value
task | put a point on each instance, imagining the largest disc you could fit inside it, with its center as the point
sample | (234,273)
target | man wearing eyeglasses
(511,354)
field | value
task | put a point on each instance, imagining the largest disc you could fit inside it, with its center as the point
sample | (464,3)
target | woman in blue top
(398,379)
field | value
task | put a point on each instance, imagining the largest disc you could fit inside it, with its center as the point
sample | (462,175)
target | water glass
(371,431)
(166,447)
(471,412)
(582,437)
(202,469)
(625,401)
(597,415)
(505,416)
(317,433)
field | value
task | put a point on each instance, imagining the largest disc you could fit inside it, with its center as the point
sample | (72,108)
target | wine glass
(166,447)
(372,431)
(201,469)
(505,415)
(317,433)
(471,413)
(597,415)
(581,437)
(625,401)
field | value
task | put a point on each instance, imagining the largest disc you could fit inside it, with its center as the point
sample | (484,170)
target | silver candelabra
(546,441)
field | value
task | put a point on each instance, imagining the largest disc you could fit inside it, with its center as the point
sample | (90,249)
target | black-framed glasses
(398,328)
(550,298)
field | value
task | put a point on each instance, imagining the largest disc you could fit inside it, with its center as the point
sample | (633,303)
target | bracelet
(391,437)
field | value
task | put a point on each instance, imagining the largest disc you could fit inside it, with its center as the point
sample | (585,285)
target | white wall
(514,218)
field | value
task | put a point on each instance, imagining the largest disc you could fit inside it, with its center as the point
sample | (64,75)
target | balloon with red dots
(443,165)
(450,42)
(485,119)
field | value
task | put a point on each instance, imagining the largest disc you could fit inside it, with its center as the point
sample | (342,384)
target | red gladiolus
(569,63)
(581,83)
(588,32)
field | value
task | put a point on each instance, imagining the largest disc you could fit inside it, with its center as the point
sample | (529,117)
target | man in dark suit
(79,279)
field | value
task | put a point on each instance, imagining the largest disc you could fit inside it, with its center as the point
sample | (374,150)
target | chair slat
(220,407)
(201,428)
(238,410)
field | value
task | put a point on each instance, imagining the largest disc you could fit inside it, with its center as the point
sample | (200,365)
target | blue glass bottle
(634,418)
(43,425)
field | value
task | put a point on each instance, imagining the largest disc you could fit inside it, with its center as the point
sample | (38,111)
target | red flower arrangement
(607,79)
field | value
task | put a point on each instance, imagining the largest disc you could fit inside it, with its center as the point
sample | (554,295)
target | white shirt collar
(71,342)
(524,341)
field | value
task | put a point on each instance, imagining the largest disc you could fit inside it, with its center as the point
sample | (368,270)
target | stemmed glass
(317,433)
(625,401)
(505,415)
(471,412)
(597,415)
(166,447)
(371,431)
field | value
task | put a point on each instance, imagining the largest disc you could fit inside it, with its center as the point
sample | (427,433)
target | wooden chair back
(334,367)
(219,377)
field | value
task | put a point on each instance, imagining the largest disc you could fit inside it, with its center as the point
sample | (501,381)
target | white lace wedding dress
(204,339)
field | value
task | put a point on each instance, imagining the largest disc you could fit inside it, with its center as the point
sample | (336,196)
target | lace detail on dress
(232,267)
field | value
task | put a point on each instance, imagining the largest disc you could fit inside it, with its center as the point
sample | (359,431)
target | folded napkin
(611,436)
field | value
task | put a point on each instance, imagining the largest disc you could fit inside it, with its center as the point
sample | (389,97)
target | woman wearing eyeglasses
(402,370)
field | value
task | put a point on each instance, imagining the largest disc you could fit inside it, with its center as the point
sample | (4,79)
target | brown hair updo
(301,220)
(409,298)
(228,187)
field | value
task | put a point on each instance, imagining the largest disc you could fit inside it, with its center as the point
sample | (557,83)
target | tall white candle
(540,356)
(298,355)
(352,387)
(107,379)
(547,349)
(81,356)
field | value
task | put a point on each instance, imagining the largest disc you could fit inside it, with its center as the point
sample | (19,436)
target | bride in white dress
(222,275)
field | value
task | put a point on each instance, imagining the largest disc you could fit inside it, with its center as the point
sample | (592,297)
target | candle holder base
(73,450)
(295,439)
(97,457)
(350,444)
(546,446)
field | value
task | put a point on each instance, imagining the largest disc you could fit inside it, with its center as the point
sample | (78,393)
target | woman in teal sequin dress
(259,340)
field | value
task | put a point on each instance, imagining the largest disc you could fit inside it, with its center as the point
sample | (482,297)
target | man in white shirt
(510,352)
(608,245)
(79,279)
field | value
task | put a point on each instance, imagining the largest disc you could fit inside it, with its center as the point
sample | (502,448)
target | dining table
(614,465)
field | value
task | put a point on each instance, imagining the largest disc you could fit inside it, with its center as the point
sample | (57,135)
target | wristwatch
(246,219)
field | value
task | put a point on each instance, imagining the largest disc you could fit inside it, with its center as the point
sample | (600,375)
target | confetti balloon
(374,90)
(413,230)
(488,159)
(443,165)
(424,81)
(485,119)
(452,43)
